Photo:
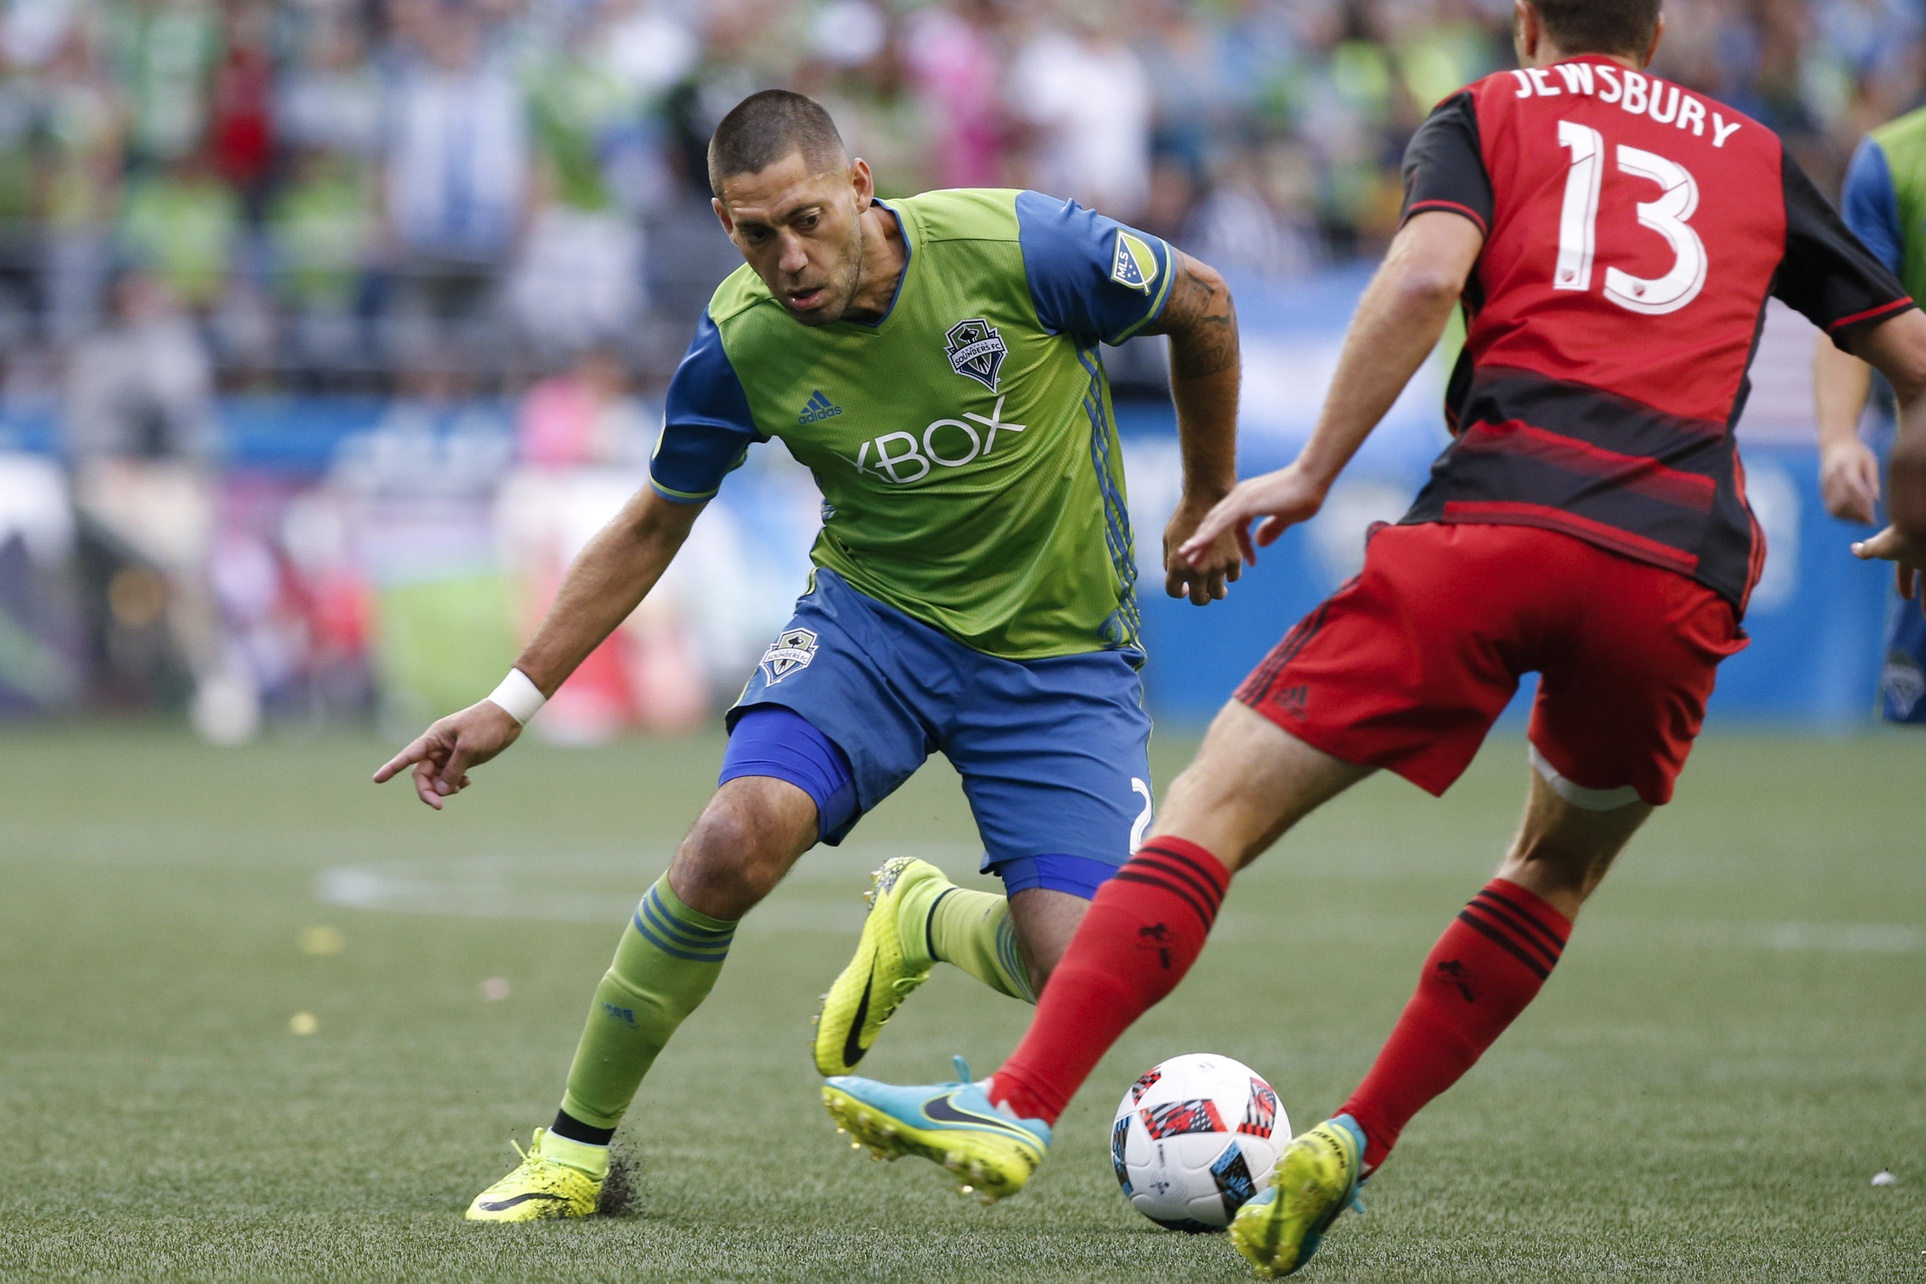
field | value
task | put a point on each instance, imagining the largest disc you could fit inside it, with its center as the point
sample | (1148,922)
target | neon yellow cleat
(1316,1178)
(953,1124)
(886,967)
(557,1178)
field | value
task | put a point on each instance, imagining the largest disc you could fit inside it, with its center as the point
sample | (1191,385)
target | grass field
(1735,1042)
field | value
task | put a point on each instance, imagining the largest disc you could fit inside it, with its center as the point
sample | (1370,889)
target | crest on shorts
(793,649)
(1905,683)
(976,351)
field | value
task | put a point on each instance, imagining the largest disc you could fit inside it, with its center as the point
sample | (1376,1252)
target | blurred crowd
(465,194)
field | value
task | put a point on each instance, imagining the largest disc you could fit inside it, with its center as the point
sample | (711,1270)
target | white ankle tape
(1578,795)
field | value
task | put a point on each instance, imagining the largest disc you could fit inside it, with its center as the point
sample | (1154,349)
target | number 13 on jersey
(1666,214)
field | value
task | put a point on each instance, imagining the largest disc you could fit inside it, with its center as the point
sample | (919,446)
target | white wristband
(518,697)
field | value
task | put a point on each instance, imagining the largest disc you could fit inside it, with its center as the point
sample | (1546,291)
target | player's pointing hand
(442,755)
(1283,499)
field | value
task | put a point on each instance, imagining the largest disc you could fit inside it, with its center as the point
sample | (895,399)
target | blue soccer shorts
(854,696)
(1902,675)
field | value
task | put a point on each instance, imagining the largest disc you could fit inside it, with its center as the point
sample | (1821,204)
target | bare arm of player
(1848,469)
(1398,323)
(1201,321)
(1897,349)
(606,582)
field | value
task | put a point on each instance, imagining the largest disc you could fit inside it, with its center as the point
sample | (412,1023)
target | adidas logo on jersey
(818,408)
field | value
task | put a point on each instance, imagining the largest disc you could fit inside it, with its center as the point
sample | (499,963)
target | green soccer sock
(972,930)
(668,959)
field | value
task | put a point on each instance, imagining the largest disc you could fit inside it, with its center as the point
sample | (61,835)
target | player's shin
(669,958)
(1143,931)
(1486,969)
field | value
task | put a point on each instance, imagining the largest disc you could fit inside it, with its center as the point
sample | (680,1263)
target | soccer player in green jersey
(934,362)
(1884,203)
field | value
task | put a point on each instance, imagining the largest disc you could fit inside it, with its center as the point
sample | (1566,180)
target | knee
(727,864)
(1538,860)
(1564,868)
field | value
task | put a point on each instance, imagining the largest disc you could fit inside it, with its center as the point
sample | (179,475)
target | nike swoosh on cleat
(942,1110)
(507,1204)
(853,1048)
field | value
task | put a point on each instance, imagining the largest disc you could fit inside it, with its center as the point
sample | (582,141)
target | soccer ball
(1194,1139)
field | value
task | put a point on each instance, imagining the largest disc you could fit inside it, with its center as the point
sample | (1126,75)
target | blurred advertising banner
(357,555)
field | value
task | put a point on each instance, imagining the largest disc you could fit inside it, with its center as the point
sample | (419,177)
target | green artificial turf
(1734,1045)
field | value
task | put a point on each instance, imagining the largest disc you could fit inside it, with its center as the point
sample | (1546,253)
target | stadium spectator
(647,45)
(583,416)
(19,226)
(330,97)
(84,134)
(241,103)
(140,432)
(456,189)
(141,388)
(1268,128)
(1086,99)
(580,278)
(868,88)
(955,55)
(319,228)
(164,54)
(184,223)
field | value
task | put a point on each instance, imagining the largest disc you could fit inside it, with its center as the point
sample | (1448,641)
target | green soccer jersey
(1884,200)
(964,443)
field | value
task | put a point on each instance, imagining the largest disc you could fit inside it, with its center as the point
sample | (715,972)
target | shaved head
(765,127)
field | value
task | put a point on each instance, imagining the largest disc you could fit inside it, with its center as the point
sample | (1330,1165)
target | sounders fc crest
(976,350)
(793,649)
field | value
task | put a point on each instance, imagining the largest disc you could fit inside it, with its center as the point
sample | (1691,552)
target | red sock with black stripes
(1143,930)
(1481,974)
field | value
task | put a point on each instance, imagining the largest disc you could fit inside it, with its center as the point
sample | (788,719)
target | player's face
(801,232)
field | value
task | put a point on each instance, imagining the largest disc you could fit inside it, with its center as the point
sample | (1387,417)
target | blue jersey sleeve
(706,426)
(1091,275)
(1871,207)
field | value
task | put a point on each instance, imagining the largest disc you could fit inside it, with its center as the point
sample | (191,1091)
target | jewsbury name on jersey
(947,443)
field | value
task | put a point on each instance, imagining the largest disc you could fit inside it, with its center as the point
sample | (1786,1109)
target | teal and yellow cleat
(557,1178)
(953,1124)
(1316,1178)
(888,964)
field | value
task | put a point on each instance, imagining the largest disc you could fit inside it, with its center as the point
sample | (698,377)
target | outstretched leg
(1490,963)
(671,952)
(1251,781)
(1486,968)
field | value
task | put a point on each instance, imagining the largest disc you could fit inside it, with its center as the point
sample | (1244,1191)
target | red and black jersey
(1633,233)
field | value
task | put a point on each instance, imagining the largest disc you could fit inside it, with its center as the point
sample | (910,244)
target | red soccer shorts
(1407,666)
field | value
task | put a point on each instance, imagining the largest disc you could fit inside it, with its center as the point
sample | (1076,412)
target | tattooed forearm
(1204,373)
(1201,321)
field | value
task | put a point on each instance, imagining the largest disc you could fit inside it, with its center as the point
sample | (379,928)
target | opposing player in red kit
(1613,240)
